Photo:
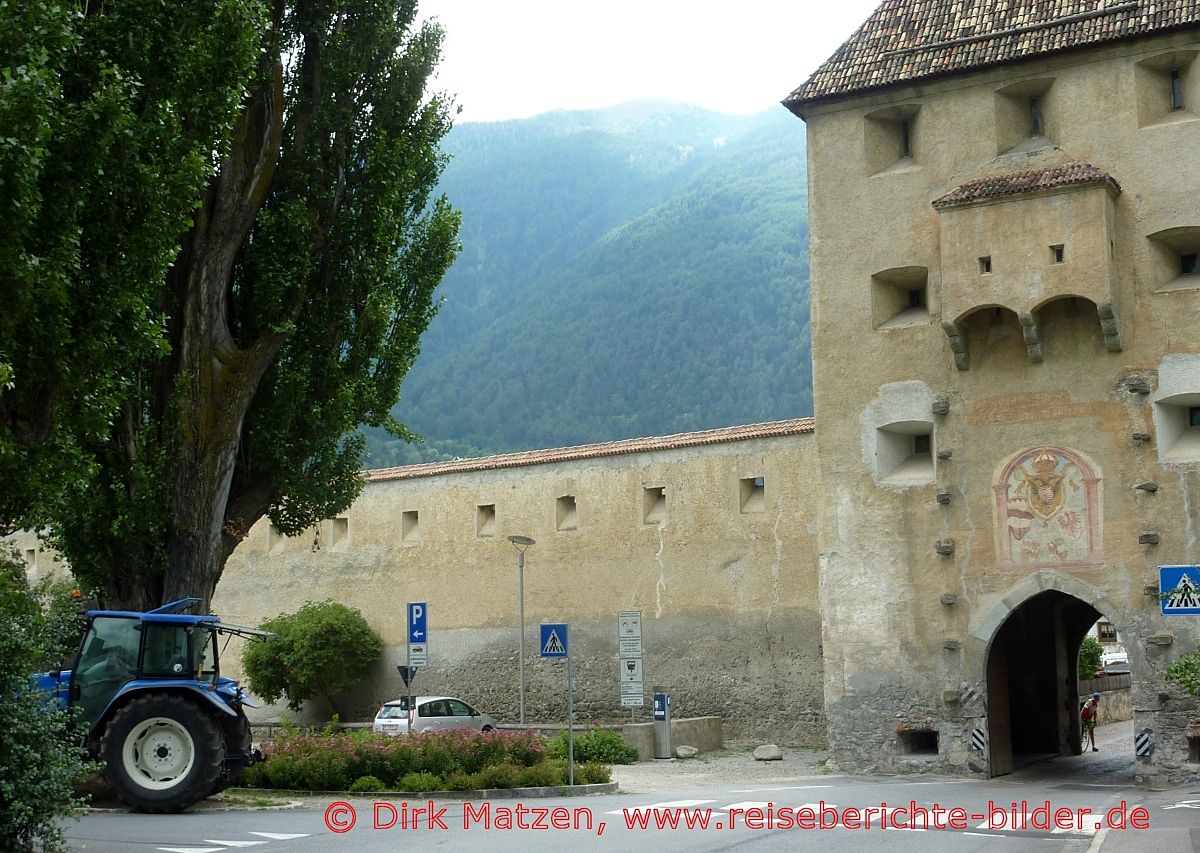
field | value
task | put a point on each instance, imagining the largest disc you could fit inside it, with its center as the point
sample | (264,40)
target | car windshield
(389,712)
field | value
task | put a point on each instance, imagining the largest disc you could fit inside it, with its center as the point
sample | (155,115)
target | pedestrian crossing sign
(554,640)
(1179,588)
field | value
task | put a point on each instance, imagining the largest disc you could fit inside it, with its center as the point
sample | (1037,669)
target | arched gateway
(1025,650)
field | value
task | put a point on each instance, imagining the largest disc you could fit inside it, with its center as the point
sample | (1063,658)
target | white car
(432,713)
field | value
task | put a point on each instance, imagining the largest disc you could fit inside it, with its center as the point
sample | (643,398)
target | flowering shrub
(453,760)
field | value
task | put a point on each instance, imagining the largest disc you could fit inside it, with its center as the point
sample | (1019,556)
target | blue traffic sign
(1179,587)
(554,640)
(417,613)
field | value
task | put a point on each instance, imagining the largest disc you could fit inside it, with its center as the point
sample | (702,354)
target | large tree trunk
(215,379)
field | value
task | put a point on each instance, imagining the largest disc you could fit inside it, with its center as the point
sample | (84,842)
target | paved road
(716,815)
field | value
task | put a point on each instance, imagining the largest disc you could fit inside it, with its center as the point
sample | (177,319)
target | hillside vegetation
(634,271)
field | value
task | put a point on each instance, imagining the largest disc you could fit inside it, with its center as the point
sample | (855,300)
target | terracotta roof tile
(1032,180)
(907,40)
(594,451)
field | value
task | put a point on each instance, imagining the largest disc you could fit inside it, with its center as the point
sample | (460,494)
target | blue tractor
(168,727)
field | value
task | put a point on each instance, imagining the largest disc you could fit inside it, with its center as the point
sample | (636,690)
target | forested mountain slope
(640,270)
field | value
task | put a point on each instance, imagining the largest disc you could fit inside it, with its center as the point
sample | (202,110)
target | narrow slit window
(654,505)
(410,526)
(753,494)
(1188,264)
(1176,90)
(1035,117)
(1194,417)
(485,520)
(916,298)
(1057,254)
(921,445)
(566,514)
(985,265)
(905,139)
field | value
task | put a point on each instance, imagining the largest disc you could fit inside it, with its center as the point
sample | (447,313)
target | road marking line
(746,805)
(233,843)
(784,788)
(282,836)
(985,834)
(673,804)
(191,849)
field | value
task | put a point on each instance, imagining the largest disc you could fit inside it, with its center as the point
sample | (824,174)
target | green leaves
(318,651)
(1089,657)
(1186,671)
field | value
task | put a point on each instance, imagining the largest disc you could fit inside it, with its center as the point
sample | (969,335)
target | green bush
(500,776)
(541,775)
(367,784)
(460,780)
(420,783)
(458,759)
(595,744)
(40,761)
(1089,657)
(318,651)
(1186,671)
(592,773)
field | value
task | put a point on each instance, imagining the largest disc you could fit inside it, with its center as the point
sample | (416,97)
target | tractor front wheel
(162,752)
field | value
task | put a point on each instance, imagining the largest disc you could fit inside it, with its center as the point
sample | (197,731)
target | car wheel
(486,729)
(163,753)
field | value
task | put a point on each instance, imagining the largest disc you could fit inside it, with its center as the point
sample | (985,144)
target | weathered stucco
(728,597)
(1039,352)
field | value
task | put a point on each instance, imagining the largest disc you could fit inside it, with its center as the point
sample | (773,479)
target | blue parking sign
(418,611)
(1179,587)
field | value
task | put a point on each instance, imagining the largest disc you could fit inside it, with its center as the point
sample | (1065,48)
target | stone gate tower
(1005,221)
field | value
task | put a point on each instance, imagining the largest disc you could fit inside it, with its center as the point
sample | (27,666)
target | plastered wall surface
(728,597)
(896,653)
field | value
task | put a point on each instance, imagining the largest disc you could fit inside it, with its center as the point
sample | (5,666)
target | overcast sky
(518,58)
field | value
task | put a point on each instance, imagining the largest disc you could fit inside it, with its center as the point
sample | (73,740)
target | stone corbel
(1110,327)
(1033,342)
(958,343)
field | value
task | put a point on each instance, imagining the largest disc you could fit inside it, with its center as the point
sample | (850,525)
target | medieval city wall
(723,568)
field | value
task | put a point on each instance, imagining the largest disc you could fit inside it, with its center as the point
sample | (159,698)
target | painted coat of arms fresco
(1047,510)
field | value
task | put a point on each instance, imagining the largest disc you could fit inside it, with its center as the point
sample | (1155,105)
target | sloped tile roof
(1030,180)
(594,451)
(908,40)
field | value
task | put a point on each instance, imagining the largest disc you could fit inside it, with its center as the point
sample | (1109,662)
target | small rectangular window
(341,531)
(921,444)
(1194,417)
(566,514)
(1176,90)
(916,298)
(905,139)
(410,526)
(1187,264)
(985,265)
(752,494)
(1035,117)
(1057,253)
(485,520)
(31,558)
(654,505)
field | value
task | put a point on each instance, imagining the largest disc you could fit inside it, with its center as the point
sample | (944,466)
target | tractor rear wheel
(162,752)
(238,741)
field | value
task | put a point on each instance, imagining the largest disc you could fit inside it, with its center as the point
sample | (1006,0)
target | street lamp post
(521,543)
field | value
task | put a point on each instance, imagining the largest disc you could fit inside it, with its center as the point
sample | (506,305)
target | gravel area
(735,764)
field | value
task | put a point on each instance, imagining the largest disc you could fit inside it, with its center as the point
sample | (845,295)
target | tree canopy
(228,308)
